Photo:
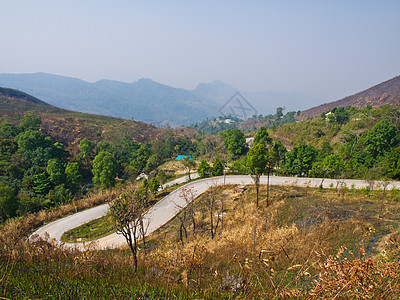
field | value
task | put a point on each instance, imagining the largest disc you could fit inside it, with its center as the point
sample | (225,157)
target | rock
(233,283)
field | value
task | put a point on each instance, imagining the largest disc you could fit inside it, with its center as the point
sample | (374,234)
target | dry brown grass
(14,233)
(276,249)
(294,248)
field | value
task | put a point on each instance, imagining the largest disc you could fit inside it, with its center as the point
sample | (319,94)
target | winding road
(169,206)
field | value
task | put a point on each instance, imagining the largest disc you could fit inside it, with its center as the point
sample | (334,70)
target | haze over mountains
(264,102)
(147,100)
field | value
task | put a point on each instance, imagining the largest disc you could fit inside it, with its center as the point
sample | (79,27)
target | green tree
(140,157)
(279,153)
(153,162)
(235,142)
(30,122)
(7,148)
(86,147)
(162,177)
(326,149)
(341,115)
(218,168)
(203,169)
(144,188)
(379,140)
(56,171)
(279,112)
(154,185)
(31,140)
(256,163)
(238,167)
(73,176)
(103,146)
(105,168)
(262,137)
(332,166)
(8,202)
(7,131)
(58,150)
(59,195)
(42,184)
(30,204)
(300,160)
(392,164)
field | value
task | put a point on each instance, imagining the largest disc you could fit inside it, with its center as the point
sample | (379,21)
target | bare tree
(189,164)
(385,183)
(213,208)
(269,168)
(127,212)
(186,212)
(340,184)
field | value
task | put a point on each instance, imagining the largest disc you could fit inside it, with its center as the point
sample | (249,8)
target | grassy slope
(317,131)
(279,250)
(70,127)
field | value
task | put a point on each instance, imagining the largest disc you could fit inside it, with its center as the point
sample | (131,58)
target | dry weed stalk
(356,276)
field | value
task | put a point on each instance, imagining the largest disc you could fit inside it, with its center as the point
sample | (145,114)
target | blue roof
(179,157)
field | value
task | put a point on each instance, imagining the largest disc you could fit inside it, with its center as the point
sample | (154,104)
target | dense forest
(37,173)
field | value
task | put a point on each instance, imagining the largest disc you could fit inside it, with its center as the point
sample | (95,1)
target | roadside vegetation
(307,243)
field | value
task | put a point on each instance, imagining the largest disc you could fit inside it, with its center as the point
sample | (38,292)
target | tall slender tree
(256,163)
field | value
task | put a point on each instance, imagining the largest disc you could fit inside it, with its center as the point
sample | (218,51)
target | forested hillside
(49,156)
(343,143)
(387,92)
(70,127)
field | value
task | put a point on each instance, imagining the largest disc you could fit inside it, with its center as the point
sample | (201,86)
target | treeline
(366,146)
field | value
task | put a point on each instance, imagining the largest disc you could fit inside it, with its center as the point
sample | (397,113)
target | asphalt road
(169,206)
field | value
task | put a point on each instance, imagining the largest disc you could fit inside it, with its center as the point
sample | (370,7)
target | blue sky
(327,49)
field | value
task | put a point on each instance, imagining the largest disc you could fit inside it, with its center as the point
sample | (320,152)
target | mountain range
(146,100)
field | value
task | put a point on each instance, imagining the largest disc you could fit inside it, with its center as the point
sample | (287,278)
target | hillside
(70,127)
(387,92)
(144,100)
(18,95)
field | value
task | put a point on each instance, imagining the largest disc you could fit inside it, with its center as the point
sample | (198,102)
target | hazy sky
(327,49)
